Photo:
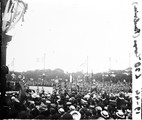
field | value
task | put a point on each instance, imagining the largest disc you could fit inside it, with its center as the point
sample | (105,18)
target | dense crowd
(97,104)
(109,86)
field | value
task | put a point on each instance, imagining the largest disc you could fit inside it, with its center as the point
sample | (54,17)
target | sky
(67,32)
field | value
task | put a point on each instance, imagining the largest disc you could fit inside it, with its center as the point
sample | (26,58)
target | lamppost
(12,12)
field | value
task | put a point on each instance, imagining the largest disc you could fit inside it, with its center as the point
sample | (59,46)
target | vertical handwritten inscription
(137,66)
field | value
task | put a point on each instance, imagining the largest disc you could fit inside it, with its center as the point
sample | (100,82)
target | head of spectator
(105,114)
(120,114)
(76,115)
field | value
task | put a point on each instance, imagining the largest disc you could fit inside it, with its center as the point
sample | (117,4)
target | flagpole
(91,82)
(13,64)
(87,65)
(87,70)
(109,63)
(44,62)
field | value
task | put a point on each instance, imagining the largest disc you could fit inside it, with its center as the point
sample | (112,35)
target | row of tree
(48,75)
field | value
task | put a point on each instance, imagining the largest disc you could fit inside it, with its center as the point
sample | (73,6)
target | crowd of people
(115,88)
(97,104)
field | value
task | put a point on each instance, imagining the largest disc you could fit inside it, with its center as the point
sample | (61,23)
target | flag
(13,13)
(84,65)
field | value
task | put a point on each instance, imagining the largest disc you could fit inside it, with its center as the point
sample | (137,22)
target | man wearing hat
(104,114)
(120,114)
(112,103)
(61,111)
(76,115)
(121,102)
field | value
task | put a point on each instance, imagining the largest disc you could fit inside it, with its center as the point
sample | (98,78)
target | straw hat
(104,114)
(83,101)
(35,95)
(68,103)
(76,115)
(86,96)
(120,114)
(98,108)
(48,102)
(61,110)
(72,107)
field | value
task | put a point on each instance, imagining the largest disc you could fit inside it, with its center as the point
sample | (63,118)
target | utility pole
(87,65)
(87,71)
(129,60)
(91,82)
(109,67)
(109,63)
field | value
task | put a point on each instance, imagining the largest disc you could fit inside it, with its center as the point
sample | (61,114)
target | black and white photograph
(71,59)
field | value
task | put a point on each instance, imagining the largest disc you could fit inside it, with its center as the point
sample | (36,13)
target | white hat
(68,103)
(61,110)
(87,96)
(14,99)
(100,118)
(94,96)
(58,97)
(83,101)
(72,107)
(129,111)
(106,107)
(67,96)
(92,106)
(48,95)
(76,115)
(120,114)
(70,99)
(35,95)
(48,102)
(98,108)
(104,114)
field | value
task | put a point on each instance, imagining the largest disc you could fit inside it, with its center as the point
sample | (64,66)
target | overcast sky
(67,31)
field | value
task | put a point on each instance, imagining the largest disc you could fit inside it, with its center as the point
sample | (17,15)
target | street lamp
(12,12)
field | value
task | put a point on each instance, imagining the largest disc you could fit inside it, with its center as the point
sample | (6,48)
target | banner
(13,13)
